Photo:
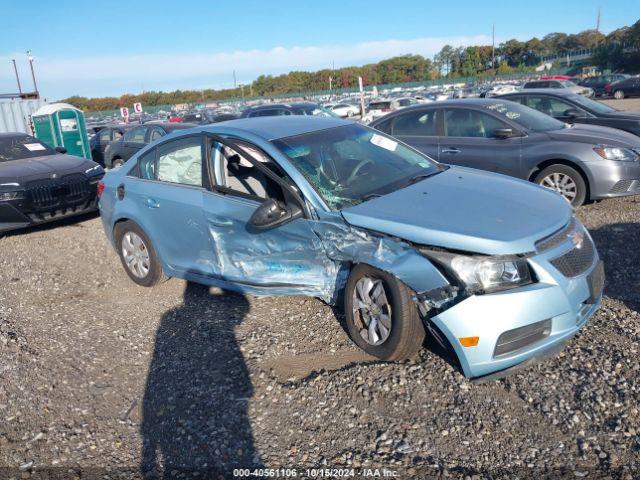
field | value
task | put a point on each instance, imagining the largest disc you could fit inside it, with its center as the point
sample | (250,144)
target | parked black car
(598,84)
(629,87)
(571,108)
(134,139)
(40,184)
(276,109)
(104,137)
(207,118)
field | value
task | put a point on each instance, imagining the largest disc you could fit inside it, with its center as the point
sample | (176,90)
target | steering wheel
(357,169)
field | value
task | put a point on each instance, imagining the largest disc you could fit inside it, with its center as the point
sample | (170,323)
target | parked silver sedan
(581,162)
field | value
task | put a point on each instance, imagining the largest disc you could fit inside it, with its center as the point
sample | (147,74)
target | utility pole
(15,69)
(33,75)
(234,80)
(493,46)
(598,22)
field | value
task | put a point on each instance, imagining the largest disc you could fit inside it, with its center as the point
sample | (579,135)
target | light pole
(33,75)
(15,69)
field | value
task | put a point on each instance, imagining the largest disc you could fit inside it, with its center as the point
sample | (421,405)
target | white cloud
(113,75)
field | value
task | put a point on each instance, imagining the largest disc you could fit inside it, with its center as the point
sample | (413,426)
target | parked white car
(344,109)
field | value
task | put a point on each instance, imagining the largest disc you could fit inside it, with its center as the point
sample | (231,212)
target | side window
(555,84)
(517,99)
(469,123)
(156,133)
(416,123)
(238,175)
(117,135)
(135,135)
(180,161)
(385,126)
(105,135)
(147,165)
(549,106)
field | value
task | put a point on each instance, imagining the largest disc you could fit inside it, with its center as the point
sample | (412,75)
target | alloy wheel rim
(372,310)
(135,254)
(561,183)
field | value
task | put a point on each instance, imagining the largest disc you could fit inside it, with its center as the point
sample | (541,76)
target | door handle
(220,221)
(151,203)
(450,150)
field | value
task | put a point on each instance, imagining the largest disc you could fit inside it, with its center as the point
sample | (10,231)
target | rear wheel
(381,317)
(618,94)
(566,181)
(137,254)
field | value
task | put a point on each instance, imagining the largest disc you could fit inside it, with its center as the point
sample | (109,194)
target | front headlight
(617,153)
(11,195)
(480,273)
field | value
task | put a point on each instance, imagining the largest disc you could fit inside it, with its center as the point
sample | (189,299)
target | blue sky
(99,49)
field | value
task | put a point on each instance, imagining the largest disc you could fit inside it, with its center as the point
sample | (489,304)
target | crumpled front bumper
(555,297)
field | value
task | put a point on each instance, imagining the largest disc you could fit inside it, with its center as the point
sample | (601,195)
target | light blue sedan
(497,269)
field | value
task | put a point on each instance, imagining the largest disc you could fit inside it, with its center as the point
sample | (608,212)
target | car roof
(271,128)
(283,105)
(558,92)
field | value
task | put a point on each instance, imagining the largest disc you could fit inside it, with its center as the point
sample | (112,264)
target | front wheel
(137,254)
(564,180)
(381,317)
(618,94)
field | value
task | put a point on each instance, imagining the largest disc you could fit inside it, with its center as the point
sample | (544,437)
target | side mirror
(572,113)
(503,133)
(271,214)
(61,150)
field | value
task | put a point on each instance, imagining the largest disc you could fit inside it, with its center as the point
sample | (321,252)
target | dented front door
(288,259)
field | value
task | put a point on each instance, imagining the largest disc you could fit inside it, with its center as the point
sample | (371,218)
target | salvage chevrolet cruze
(497,268)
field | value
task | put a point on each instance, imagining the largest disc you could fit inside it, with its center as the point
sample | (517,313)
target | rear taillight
(607,87)
(100,188)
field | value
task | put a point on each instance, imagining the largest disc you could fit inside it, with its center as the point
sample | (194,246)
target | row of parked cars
(387,220)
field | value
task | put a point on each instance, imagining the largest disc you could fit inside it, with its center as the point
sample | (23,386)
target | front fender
(346,244)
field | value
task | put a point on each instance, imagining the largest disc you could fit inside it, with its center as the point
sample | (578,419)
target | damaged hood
(466,209)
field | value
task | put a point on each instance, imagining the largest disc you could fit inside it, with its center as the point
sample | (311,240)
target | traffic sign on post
(124,112)
(137,107)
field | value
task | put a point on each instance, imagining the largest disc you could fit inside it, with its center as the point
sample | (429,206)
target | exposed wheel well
(558,161)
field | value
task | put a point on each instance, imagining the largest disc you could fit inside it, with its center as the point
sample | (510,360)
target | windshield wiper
(421,176)
(369,196)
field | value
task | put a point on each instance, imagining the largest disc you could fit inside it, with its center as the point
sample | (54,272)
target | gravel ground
(101,377)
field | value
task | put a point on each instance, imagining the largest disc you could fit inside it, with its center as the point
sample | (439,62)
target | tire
(117,162)
(406,334)
(553,177)
(618,94)
(126,232)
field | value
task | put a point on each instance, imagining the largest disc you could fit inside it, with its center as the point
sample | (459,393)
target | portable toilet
(62,125)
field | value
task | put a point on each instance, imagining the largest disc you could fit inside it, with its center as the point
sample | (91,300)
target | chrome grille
(577,260)
(557,238)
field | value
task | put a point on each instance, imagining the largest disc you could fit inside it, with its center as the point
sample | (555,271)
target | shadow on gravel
(194,412)
(619,247)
